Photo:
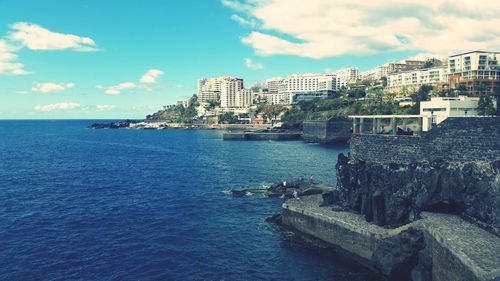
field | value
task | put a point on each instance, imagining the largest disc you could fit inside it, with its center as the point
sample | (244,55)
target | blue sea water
(82,204)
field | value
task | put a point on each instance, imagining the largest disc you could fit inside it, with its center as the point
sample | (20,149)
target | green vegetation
(486,106)
(351,102)
(177,113)
(228,117)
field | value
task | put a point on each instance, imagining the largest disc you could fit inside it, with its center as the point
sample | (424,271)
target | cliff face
(454,168)
(396,193)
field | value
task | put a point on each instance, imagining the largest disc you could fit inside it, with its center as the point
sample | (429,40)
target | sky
(113,59)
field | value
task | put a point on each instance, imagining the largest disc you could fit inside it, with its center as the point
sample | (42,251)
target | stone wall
(333,130)
(456,139)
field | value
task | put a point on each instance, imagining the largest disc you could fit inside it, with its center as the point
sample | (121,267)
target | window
(434,109)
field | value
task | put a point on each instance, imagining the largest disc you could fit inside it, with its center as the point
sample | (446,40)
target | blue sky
(114,43)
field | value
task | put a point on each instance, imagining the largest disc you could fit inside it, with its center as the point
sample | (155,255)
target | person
(284,183)
(295,194)
(311,179)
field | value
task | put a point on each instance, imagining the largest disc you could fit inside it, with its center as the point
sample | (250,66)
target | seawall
(329,131)
(261,136)
(455,250)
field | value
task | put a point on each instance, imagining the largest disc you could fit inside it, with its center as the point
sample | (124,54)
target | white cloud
(324,28)
(104,107)
(116,89)
(35,37)
(239,6)
(150,76)
(252,65)
(57,106)
(51,87)
(243,21)
(8,60)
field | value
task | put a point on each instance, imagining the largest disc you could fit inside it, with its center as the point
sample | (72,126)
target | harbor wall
(329,131)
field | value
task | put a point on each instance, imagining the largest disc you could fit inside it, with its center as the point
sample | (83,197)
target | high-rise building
(273,84)
(476,72)
(209,89)
(346,76)
(228,90)
(244,98)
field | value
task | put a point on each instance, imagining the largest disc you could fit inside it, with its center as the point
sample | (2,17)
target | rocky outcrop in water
(286,189)
(112,125)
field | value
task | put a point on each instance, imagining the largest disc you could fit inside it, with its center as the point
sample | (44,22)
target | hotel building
(304,87)
(477,72)
(408,82)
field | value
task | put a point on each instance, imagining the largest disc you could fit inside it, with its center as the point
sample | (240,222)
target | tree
(422,94)
(384,81)
(273,111)
(485,106)
(461,90)
(227,117)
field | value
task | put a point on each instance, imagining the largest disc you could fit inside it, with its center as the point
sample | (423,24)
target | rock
(395,257)
(311,191)
(276,219)
(393,194)
(113,125)
(423,270)
(378,208)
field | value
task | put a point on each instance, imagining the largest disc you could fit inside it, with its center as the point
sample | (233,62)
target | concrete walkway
(475,248)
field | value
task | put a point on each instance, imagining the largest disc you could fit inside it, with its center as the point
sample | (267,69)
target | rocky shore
(421,208)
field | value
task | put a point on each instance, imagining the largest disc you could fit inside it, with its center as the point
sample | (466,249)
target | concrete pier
(459,250)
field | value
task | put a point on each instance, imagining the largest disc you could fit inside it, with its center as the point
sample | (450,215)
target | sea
(85,204)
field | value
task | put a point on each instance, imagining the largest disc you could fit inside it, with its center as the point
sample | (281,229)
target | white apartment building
(244,98)
(405,83)
(346,76)
(305,87)
(228,90)
(478,71)
(381,71)
(209,89)
(439,109)
(272,84)
(276,98)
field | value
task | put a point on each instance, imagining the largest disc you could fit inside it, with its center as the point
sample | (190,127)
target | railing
(411,125)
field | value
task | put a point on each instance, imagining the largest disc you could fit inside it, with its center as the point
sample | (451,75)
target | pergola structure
(387,124)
